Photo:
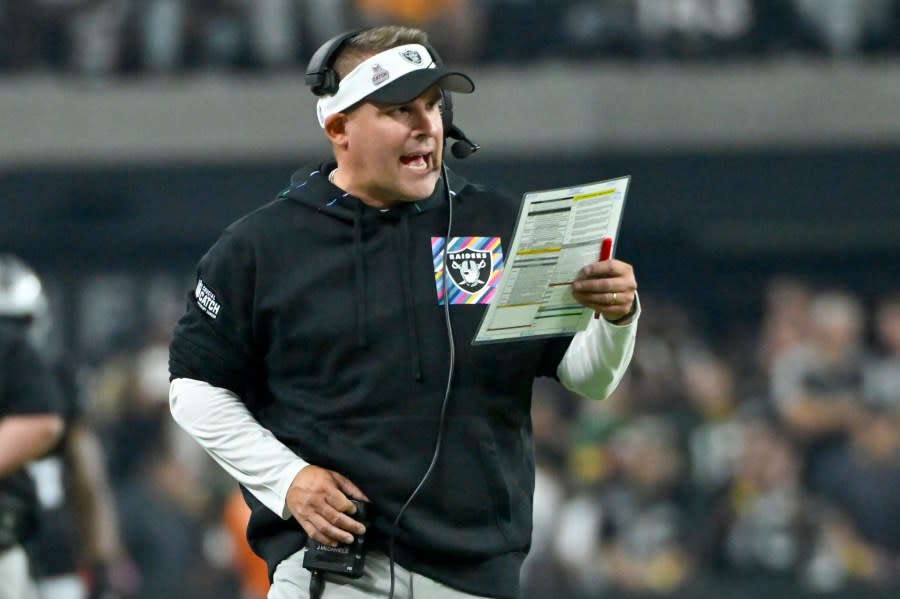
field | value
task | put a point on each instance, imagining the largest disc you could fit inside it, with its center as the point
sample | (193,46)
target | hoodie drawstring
(360,276)
(406,274)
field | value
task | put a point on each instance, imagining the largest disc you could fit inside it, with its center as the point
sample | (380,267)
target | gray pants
(14,580)
(67,586)
(291,581)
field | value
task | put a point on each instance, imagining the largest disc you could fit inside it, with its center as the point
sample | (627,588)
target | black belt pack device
(347,559)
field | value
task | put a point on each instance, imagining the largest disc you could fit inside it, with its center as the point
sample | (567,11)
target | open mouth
(419,160)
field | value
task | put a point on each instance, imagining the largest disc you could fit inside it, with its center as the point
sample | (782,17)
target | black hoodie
(323,314)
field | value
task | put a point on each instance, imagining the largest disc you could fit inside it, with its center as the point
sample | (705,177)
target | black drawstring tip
(316,584)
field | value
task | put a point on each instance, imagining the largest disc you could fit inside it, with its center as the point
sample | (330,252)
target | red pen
(606,249)
(605,254)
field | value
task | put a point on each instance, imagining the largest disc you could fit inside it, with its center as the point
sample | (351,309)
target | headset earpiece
(321,77)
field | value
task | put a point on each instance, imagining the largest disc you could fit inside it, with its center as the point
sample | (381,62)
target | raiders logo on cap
(412,56)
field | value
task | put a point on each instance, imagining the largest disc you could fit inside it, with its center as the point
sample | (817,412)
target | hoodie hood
(310,186)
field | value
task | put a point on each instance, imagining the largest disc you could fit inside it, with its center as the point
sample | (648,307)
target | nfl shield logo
(470,269)
(379,74)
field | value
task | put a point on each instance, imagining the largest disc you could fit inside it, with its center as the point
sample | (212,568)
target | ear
(336,129)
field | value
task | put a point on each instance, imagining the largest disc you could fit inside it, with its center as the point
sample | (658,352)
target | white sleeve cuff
(598,357)
(225,428)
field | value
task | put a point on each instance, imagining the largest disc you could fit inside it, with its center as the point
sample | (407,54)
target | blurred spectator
(755,345)
(323,19)
(627,531)
(785,320)
(280,31)
(694,27)
(882,374)
(860,478)
(766,525)
(817,386)
(161,34)
(589,29)
(713,431)
(215,34)
(169,496)
(162,523)
(272,28)
(846,27)
(96,31)
(131,418)
(655,373)
(455,27)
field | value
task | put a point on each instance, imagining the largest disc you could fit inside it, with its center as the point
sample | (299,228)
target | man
(318,361)
(78,529)
(30,425)
(817,386)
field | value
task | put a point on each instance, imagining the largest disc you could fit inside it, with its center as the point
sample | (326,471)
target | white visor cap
(396,76)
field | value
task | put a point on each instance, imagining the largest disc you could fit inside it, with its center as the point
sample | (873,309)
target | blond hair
(372,41)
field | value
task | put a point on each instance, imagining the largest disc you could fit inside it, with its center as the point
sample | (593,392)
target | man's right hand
(319,500)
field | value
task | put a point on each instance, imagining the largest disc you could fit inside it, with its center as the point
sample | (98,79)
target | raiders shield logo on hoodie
(470,269)
(475,265)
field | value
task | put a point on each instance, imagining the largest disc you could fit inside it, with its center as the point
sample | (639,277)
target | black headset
(323,80)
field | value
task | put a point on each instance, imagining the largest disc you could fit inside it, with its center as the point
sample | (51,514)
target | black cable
(440,434)
(316,584)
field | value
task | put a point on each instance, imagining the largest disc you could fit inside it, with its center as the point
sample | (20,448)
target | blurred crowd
(763,449)
(116,37)
(771,455)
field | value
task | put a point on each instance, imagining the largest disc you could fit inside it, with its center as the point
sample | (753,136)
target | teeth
(415,160)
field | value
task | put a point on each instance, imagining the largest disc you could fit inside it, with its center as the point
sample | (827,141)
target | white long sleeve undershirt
(225,428)
(220,422)
(598,357)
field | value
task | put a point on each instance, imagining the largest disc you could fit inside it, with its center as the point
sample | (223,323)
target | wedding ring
(614,301)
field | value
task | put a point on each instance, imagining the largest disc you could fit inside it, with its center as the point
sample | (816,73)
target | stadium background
(763,141)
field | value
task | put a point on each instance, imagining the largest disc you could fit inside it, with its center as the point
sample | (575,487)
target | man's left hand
(608,287)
